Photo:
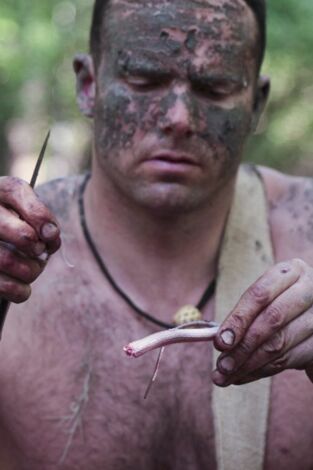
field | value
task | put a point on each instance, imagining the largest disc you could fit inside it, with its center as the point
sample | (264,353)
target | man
(174,91)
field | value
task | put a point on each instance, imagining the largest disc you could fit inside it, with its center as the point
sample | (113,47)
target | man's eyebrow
(142,66)
(211,77)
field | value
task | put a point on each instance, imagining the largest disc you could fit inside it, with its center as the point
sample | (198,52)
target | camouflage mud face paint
(178,76)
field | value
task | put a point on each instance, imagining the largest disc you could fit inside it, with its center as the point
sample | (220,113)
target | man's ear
(85,83)
(263,87)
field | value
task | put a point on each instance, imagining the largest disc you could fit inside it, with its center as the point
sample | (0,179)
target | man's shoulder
(59,194)
(290,202)
(281,187)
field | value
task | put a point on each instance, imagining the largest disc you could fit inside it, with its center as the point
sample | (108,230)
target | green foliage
(39,38)
(286,138)
(37,42)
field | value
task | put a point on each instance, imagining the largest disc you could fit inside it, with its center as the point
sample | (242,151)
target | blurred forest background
(37,89)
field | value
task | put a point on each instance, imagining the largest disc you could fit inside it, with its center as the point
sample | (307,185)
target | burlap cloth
(241,413)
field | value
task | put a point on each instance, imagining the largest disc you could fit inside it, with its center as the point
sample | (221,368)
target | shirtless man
(174,90)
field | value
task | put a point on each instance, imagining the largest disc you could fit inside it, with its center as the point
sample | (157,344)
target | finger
(299,357)
(19,267)
(221,379)
(17,232)
(16,194)
(269,286)
(280,343)
(50,234)
(13,290)
(289,305)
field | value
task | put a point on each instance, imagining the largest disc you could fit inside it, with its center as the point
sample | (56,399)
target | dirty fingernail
(227,364)
(39,248)
(43,256)
(49,230)
(219,379)
(228,337)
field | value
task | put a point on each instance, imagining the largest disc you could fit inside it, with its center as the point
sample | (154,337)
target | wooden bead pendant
(186,314)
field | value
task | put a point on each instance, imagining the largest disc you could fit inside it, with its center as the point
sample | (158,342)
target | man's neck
(151,256)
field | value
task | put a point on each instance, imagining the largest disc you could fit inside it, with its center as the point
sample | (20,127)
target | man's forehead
(178,14)
(233,4)
(218,7)
(229,26)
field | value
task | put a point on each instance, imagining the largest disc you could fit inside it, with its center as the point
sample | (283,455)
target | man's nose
(178,118)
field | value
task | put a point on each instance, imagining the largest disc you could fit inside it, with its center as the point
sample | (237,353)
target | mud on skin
(160,53)
(296,204)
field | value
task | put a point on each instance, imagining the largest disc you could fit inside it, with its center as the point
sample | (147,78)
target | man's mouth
(175,158)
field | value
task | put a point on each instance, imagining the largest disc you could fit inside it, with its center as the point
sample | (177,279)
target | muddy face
(175,97)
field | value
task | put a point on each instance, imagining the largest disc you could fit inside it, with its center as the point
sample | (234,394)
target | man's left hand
(270,329)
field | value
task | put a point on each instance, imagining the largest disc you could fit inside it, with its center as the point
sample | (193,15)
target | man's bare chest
(73,400)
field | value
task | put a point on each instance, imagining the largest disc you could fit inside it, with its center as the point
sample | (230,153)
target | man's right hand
(28,232)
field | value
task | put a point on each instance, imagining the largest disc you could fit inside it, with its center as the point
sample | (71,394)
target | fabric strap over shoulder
(241,413)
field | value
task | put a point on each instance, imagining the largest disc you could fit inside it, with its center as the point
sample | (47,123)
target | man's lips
(170,165)
(172,159)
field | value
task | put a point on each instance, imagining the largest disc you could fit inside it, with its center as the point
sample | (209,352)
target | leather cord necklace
(185,314)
